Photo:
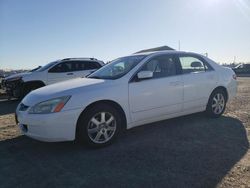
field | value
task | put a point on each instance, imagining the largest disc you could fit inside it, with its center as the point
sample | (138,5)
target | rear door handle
(70,73)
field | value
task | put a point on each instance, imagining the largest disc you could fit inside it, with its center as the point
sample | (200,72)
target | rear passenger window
(62,67)
(191,64)
(87,65)
(71,66)
(79,65)
(92,65)
(161,66)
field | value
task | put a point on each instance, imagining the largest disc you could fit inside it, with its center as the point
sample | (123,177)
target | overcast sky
(34,32)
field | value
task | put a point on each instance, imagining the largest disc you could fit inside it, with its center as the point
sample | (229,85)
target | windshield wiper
(95,77)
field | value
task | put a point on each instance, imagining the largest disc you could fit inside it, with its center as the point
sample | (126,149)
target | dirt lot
(191,151)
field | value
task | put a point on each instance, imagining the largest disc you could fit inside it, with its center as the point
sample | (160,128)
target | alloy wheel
(101,127)
(218,103)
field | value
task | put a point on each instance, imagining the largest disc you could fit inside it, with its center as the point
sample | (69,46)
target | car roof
(163,52)
(80,59)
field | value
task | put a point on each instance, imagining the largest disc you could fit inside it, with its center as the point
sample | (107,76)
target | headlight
(49,106)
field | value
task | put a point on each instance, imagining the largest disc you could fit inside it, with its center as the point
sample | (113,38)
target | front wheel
(99,126)
(216,104)
(27,88)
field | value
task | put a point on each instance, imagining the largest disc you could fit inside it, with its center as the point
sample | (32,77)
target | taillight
(234,77)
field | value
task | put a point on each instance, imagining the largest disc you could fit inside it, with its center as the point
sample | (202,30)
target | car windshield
(35,69)
(117,68)
(45,67)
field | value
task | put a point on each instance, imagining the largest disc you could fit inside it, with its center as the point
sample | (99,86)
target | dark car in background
(242,69)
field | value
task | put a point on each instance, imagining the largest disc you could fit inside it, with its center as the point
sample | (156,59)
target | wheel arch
(108,102)
(221,88)
(37,82)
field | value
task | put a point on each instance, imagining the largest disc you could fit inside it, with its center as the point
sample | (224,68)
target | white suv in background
(18,85)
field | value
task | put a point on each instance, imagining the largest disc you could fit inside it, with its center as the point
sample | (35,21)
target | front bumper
(13,88)
(54,127)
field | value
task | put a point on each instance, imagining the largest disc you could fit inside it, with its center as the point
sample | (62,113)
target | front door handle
(70,73)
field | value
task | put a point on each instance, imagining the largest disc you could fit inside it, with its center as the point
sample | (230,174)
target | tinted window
(63,67)
(79,65)
(161,66)
(191,64)
(70,66)
(92,65)
(246,66)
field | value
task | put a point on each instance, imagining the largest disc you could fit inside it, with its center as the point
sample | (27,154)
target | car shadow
(191,151)
(8,106)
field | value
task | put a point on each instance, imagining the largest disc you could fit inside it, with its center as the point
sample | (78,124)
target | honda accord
(128,92)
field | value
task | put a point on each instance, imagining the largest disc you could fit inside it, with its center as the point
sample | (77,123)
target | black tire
(212,105)
(84,124)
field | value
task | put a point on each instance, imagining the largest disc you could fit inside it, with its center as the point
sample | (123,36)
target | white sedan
(130,91)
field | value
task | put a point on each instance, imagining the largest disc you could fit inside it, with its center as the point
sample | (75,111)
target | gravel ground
(191,151)
(239,175)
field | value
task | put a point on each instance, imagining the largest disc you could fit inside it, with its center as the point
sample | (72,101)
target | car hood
(17,75)
(60,89)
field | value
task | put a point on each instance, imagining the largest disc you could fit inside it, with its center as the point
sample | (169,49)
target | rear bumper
(54,127)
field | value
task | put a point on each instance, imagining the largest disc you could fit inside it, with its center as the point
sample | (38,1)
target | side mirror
(144,74)
(196,64)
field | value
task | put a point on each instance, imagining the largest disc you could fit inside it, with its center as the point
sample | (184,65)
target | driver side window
(61,67)
(161,66)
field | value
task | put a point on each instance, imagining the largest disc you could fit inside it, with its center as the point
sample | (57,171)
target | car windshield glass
(117,68)
(45,67)
(35,69)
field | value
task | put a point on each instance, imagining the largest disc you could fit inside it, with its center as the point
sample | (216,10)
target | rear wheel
(216,104)
(99,126)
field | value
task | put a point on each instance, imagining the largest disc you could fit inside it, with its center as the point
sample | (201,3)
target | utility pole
(179,45)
